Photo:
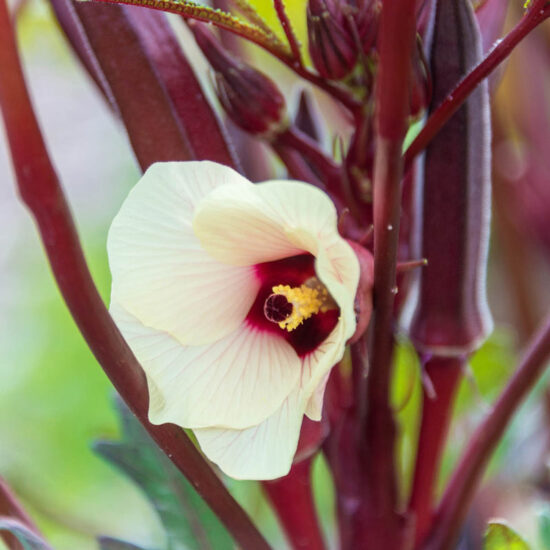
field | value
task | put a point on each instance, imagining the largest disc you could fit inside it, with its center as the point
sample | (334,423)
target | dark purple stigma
(277,308)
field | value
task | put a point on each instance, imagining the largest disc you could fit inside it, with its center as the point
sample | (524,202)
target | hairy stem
(257,37)
(465,479)
(40,190)
(289,31)
(537,13)
(397,40)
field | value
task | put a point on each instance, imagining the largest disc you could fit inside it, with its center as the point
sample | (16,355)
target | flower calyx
(250,98)
(331,46)
(367,20)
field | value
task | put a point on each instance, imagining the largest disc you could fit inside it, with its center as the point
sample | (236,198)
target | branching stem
(309,149)
(466,477)
(289,31)
(397,40)
(444,376)
(253,34)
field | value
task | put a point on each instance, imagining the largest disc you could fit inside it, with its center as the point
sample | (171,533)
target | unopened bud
(366,19)
(330,44)
(251,99)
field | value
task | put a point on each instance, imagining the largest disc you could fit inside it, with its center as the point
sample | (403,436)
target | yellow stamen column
(306,301)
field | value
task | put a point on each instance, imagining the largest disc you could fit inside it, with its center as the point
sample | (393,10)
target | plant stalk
(10,507)
(289,31)
(444,375)
(397,40)
(337,92)
(292,499)
(466,477)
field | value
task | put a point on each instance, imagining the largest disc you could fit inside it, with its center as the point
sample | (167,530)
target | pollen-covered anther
(277,308)
(290,306)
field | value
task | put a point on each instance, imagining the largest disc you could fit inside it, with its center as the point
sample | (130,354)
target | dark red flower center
(268,307)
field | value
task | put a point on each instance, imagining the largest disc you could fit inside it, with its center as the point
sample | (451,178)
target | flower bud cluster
(250,98)
(366,20)
(330,44)
(338,30)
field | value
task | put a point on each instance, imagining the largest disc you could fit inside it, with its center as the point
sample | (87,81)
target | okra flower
(237,299)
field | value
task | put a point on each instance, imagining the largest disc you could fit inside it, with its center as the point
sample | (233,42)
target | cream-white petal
(337,267)
(238,227)
(278,219)
(309,220)
(264,451)
(311,224)
(161,274)
(236,382)
(256,224)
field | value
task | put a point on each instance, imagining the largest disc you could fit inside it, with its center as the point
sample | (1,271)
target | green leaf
(500,536)
(189,523)
(544,527)
(108,543)
(28,539)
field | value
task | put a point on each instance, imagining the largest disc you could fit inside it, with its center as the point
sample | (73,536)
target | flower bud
(251,99)
(366,20)
(330,44)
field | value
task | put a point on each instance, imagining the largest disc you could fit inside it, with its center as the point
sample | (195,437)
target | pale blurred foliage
(54,399)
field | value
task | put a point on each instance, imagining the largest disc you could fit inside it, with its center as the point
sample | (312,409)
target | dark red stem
(289,32)
(11,508)
(40,190)
(296,166)
(337,92)
(292,499)
(537,13)
(444,375)
(294,138)
(466,477)
(397,39)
